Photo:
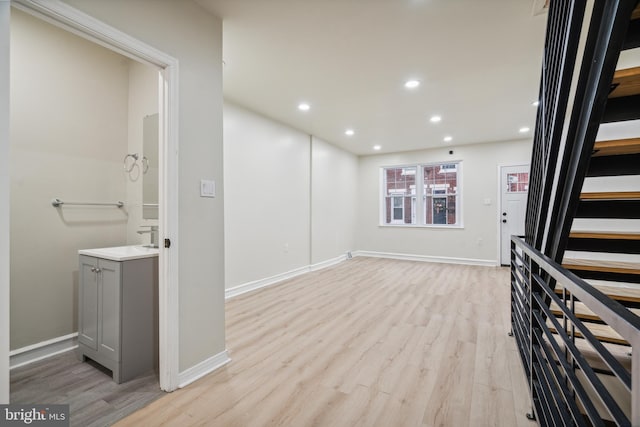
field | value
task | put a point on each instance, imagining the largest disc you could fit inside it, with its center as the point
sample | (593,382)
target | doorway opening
(70,19)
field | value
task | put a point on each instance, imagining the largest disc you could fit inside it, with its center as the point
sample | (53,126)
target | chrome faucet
(153,232)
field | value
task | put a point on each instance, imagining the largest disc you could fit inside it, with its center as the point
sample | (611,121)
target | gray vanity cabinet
(117,314)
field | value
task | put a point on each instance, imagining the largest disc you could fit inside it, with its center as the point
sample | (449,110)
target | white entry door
(514,185)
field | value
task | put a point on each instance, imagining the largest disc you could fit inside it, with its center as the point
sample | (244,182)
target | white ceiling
(478,62)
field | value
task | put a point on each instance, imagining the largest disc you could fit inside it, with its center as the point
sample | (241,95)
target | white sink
(121,253)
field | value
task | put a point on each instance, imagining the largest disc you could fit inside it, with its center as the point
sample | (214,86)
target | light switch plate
(207,188)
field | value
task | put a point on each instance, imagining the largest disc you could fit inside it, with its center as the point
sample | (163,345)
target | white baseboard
(427,258)
(257,284)
(203,368)
(263,283)
(42,350)
(328,263)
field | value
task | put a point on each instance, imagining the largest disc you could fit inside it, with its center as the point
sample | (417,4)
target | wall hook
(128,166)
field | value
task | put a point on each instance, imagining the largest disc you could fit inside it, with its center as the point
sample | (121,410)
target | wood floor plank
(491,406)
(93,398)
(364,343)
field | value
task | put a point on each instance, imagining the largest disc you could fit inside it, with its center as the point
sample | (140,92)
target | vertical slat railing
(561,47)
(567,122)
(607,31)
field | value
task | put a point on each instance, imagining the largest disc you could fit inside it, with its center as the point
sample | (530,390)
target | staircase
(604,242)
(576,274)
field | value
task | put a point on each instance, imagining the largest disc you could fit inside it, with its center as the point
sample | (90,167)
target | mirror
(150,167)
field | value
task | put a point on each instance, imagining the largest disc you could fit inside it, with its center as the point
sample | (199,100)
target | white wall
(4,200)
(334,195)
(68,137)
(291,199)
(477,241)
(190,34)
(267,209)
(143,101)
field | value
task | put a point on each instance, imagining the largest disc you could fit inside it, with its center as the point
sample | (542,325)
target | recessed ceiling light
(377,147)
(349,132)
(412,84)
(448,138)
(524,129)
(435,119)
(304,106)
(535,103)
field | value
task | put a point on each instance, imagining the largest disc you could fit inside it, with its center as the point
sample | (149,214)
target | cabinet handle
(93,269)
(98,270)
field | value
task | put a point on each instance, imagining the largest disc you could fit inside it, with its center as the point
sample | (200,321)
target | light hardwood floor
(368,342)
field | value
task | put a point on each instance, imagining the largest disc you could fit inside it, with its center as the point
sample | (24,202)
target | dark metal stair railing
(563,383)
(554,188)
(561,46)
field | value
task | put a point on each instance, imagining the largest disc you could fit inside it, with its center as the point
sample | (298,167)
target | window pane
(397,214)
(399,187)
(400,180)
(451,210)
(441,192)
(439,210)
(441,179)
(517,182)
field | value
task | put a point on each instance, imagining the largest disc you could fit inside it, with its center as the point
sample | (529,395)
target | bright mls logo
(34,415)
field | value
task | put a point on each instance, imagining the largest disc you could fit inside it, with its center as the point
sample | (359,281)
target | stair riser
(632,40)
(622,109)
(621,209)
(600,245)
(605,275)
(614,165)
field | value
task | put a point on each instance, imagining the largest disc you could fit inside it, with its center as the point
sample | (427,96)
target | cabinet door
(88,302)
(109,311)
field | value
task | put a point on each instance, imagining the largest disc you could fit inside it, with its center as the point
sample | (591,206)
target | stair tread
(618,293)
(583,312)
(611,195)
(620,352)
(602,266)
(604,333)
(627,81)
(605,225)
(604,235)
(616,147)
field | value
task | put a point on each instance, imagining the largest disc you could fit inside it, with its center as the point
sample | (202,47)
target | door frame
(5,13)
(499,204)
(87,27)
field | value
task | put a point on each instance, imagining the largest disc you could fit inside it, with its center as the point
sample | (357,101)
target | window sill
(441,227)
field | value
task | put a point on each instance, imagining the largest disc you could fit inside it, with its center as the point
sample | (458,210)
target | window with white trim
(440,194)
(399,197)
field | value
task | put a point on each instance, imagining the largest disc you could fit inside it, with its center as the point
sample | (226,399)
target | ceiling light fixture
(435,119)
(524,129)
(412,84)
(349,132)
(377,147)
(447,138)
(304,106)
